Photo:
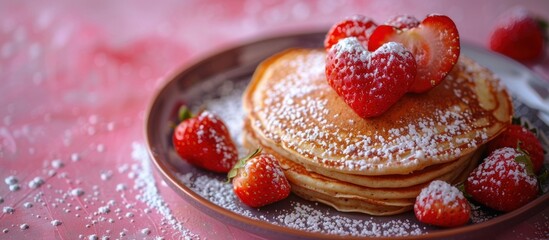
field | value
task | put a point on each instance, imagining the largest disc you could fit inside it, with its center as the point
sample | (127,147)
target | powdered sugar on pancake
(300,113)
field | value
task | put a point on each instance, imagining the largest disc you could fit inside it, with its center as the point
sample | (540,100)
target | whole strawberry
(259,180)
(357,26)
(503,181)
(204,141)
(518,35)
(443,205)
(369,82)
(434,43)
(516,135)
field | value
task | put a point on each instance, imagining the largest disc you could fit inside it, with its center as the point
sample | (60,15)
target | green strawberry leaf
(524,158)
(184,113)
(240,164)
(461,188)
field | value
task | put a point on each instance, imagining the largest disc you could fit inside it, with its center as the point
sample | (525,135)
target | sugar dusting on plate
(299,215)
(296,213)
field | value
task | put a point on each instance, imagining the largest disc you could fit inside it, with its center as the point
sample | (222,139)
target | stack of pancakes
(376,165)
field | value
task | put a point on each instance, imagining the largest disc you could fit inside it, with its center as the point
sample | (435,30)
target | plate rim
(205,206)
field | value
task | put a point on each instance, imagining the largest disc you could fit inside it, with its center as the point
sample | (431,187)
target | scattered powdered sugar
(286,112)
(87,205)
(306,216)
(148,192)
(121,187)
(8,209)
(93,237)
(106,175)
(480,214)
(104,209)
(57,163)
(295,212)
(56,222)
(145,231)
(14,187)
(36,182)
(13,184)
(24,226)
(299,214)
(75,157)
(10,180)
(77,192)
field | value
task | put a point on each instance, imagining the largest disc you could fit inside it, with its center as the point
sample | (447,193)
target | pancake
(348,204)
(291,107)
(387,181)
(402,196)
(377,165)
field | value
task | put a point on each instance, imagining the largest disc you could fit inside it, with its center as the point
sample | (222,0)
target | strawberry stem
(184,113)
(525,159)
(461,188)
(241,163)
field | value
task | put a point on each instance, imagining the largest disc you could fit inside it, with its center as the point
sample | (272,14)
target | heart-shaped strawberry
(370,82)
(434,43)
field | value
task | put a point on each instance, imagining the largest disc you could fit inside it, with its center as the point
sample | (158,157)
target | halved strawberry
(357,26)
(434,44)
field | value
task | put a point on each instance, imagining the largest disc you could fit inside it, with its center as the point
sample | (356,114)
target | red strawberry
(259,180)
(503,181)
(403,21)
(369,82)
(442,204)
(204,141)
(357,26)
(518,35)
(434,44)
(516,135)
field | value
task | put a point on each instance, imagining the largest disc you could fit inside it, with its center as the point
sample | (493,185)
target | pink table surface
(77,76)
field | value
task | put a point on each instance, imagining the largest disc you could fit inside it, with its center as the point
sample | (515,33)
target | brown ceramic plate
(216,83)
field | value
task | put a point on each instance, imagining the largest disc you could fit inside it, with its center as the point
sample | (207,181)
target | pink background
(76,78)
